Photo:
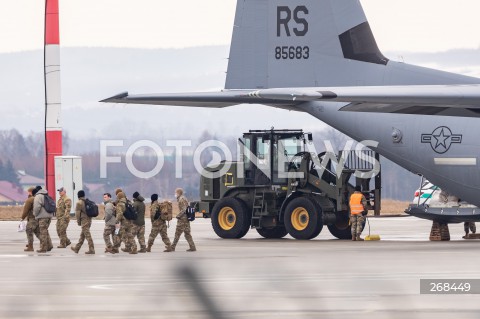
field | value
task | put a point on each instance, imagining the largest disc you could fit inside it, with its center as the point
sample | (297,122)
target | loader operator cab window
(284,150)
(263,169)
(256,158)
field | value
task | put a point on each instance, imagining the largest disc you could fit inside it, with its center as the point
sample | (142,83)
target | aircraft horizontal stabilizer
(203,99)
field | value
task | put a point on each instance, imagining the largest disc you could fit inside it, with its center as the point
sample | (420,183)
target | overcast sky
(406,25)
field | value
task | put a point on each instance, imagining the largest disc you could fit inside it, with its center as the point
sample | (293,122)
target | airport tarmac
(247,278)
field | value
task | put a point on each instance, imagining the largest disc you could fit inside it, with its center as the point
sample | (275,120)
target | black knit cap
(81,193)
(154,197)
(37,188)
(136,194)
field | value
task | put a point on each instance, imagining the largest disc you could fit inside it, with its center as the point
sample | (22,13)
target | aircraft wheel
(230,218)
(303,218)
(275,232)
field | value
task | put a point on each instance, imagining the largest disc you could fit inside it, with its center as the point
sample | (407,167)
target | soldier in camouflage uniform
(158,225)
(64,206)
(126,227)
(110,223)
(85,222)
(138,225)
(43,218)
(183,224)
(32,224)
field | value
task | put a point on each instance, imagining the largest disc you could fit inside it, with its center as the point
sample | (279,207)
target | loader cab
(267,154)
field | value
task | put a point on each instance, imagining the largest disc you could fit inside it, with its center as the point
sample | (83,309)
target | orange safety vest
(356,206)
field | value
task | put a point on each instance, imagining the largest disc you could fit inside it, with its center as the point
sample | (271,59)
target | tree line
(26,152)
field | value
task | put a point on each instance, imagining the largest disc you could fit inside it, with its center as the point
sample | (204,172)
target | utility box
(68,174)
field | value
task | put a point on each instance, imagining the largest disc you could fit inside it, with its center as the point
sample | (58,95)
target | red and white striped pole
(53,128)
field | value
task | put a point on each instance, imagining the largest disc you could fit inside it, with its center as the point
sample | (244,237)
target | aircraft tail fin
(315,43)
(302,43)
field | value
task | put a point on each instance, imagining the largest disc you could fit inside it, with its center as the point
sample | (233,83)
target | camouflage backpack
(166,209)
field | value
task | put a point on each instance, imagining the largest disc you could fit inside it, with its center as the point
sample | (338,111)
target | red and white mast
(53,128)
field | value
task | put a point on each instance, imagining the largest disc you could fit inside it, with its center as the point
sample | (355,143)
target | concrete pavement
(247,278)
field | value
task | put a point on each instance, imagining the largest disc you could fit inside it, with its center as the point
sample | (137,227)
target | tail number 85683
(292,53)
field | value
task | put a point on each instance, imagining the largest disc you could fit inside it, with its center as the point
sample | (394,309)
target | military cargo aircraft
(320,57)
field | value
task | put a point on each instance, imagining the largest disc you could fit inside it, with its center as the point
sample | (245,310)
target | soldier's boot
(115,250)
(168,249)
(133,252)
(41,250)
(354,238)
(125,250)
(29,247)
(68,243)
(74,249)
(109,250)
(192,248)
(90,252)
(149,248)
(174,244)
(62,245)
(50,248)
(359,238)
(143,249)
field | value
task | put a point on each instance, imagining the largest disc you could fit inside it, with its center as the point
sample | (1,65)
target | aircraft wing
(452,100)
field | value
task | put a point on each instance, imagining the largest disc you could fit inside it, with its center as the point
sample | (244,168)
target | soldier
(469,226)
(126,229)
(43,218)
(85,222)
(358,203)
(158,225)
(183,224)
(32,224)
(64,206)
(110,223)
(138,225)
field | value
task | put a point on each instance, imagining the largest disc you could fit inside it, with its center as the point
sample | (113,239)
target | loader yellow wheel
(300,218)
(227,218)
(303,218)
(231,218)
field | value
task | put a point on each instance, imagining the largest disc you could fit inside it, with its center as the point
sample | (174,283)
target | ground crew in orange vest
(358,205)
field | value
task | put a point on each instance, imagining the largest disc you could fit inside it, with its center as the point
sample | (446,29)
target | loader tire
(230,218)
(342,228)
(303,218)
(273,233)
